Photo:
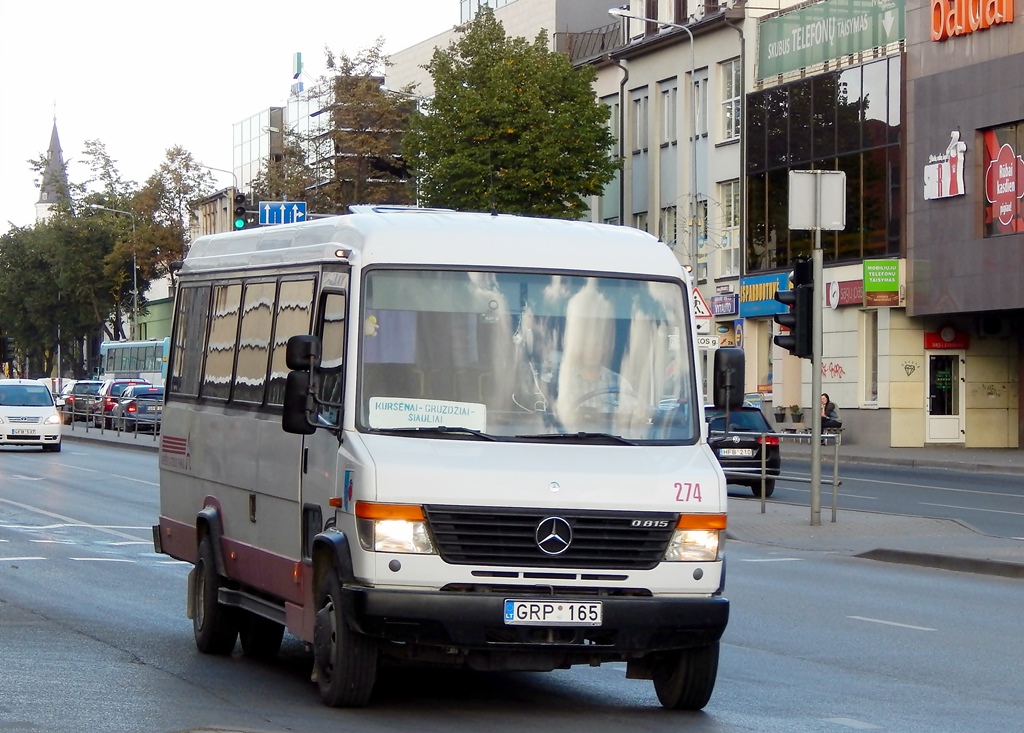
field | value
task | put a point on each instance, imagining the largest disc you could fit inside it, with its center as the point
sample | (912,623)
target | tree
(351,153)
(512,127)
(166,203)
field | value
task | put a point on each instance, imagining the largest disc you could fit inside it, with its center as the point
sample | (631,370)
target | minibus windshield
(522,355)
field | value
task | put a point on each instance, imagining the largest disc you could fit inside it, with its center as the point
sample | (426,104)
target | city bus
(420,436)
(134,360)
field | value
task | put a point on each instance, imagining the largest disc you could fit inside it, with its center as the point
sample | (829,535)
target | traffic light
(6,349)
(240,219)
(799,319)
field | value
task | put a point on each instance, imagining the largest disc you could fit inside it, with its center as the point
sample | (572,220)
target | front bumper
(467,621)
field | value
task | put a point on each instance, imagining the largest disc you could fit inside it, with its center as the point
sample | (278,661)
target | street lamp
(621,13)
(135,268)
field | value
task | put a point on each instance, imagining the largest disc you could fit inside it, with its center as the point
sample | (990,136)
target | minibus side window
(331,329)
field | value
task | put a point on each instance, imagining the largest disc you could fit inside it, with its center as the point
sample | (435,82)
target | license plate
(157,408)
(22,431)
(744,452)
(552,613)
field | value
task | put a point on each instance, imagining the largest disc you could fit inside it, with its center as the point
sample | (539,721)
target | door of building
(945,408)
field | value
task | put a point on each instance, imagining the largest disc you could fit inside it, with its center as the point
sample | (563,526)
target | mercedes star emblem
(553,535)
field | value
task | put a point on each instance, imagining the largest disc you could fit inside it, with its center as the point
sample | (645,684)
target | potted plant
(780,413)
(797,412)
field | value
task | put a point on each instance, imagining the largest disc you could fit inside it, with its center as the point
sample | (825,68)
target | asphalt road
(94,637)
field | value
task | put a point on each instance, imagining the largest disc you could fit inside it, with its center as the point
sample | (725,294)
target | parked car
(739,448)
(78,400)
(139,408)
(100,412)
(28,415)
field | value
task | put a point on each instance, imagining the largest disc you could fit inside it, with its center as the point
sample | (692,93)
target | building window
(700,101)
(701,226)
(732,91)
(640,221)
(870,361)
(668,114)
(729,195)
(679,13)
(640,122)
(667,226)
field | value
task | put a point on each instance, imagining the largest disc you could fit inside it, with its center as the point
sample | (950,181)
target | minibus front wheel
(684,679)
(215,626)
(346,661)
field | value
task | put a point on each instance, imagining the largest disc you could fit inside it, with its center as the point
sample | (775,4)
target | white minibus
(446,438)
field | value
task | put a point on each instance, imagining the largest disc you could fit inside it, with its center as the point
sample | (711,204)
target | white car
(28,415)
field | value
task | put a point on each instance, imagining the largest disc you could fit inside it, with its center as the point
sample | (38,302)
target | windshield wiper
(440,430)
(581,436)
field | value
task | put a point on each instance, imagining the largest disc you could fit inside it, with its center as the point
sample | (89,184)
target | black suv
(78,402)
(739,448)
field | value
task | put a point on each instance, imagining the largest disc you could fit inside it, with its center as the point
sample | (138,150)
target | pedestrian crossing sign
(700,306)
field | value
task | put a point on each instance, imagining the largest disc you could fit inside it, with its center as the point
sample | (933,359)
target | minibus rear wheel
(261,638)
(215,626)
(346,661)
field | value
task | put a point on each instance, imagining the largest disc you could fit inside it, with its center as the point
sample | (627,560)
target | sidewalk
(938,543)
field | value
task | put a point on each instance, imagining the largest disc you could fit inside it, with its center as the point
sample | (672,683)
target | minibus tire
(215,626)
(260,637)
(684,679)
(346,661)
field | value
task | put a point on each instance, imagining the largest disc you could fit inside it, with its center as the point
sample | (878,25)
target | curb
(148,446)
(946,562)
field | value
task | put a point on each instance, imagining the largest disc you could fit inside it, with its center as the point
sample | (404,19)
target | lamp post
(135,269)
(621,13)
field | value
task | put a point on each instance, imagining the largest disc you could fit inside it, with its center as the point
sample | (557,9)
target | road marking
(174,562)
(101,559)
(891,623)
(852,723)
(973,508)
(54,542)
(769,559)
(122,544)
(14,559)
(26,478)
(71,521)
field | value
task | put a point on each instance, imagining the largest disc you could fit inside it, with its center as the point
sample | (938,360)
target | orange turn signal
(701,521)
(408,512)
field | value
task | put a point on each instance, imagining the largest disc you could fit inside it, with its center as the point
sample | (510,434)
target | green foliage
(512,127)
(69,280)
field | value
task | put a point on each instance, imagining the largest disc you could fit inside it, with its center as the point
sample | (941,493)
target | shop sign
(958,18)
(947,338)
(944,174)
(1004,184)
(846,292)
(725,305)
(881,283)
(757,294)
(827,30)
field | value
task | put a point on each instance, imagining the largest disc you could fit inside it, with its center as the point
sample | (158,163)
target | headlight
(52,420)
(697,538)
(694,545)
(398,528)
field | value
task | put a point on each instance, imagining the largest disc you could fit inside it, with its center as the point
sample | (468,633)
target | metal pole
(135,287)
(816,331)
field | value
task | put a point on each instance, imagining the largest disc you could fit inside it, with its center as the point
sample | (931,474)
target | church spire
(55,182)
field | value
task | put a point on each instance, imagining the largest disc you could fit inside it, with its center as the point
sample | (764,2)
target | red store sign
(947,338)
(845,292)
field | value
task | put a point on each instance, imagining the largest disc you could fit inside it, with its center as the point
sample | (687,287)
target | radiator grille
(606,540)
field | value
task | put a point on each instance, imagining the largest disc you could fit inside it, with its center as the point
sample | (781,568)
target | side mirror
(303,352)
(729,377)
(298,401)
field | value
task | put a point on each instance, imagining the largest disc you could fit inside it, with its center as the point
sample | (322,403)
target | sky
(143,76)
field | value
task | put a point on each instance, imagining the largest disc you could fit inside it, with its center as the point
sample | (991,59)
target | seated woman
(829,413)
